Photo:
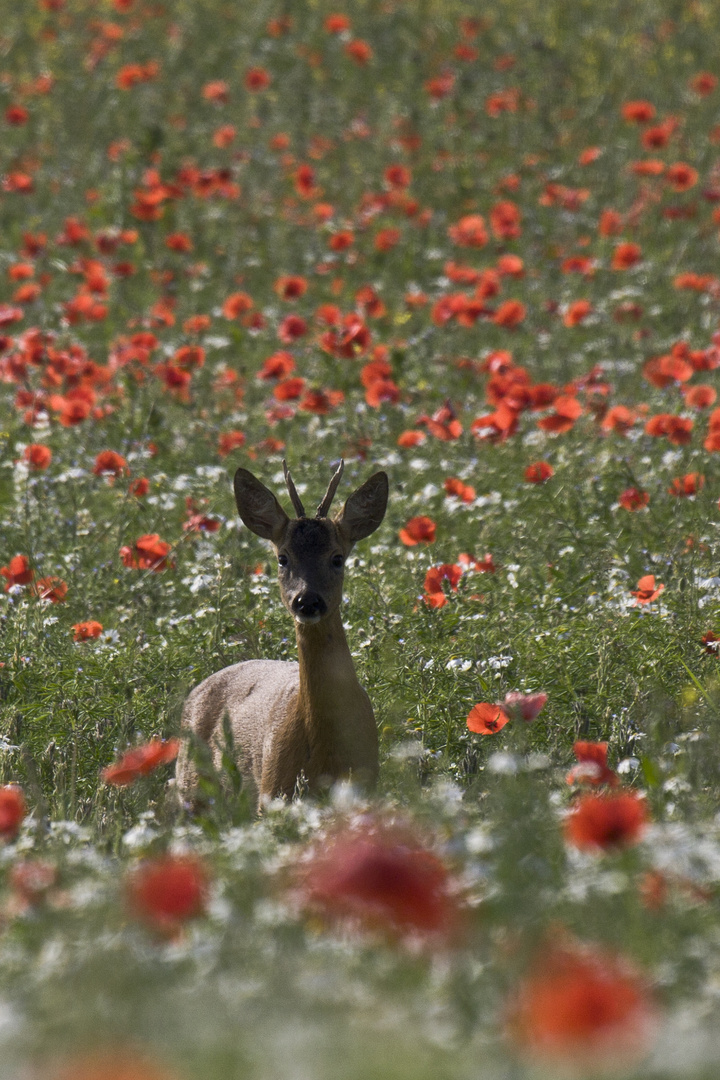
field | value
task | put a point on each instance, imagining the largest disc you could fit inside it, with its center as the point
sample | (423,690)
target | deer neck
(328,680)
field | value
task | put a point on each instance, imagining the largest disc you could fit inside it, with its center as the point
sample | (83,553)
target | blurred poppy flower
(256,79)
(109,463)
(681,176)
(139,487)
(290,286)
(37,455)
(409,439)
(581,1007)
(86,631)
(703,83)
(12,810)
(525,707)
(17,572)
(337,24)
(606,822)
(487,719)
(166,891)
(577,312)
(51,588)
(434,596)
(455,487)
(618,418)
(505,218)
(539,472)
(625,256)
(229,441)
(638,112)
(141,760)
(509,314)
(148,552)
(647,590)
(359,51)
(469,231)
(633,499)
(592,767)
(237,304)
(690,484)
(291,328)
(380,878)
(566,410)
(419,530)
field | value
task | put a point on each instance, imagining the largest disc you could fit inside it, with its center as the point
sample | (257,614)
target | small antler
(330,493)
(294,497)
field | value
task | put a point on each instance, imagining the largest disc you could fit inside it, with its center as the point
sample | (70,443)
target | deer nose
(308,603)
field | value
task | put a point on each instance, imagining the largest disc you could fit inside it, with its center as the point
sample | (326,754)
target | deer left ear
(364,509)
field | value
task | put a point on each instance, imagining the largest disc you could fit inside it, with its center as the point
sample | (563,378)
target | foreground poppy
(17,572)
(51,588)
(606,822)
(86,631)
(592,767)
(12,810)
(380,878)
(140,761)
(539,472)
(524,706)
(167,891)
(581,1006)
(633,499)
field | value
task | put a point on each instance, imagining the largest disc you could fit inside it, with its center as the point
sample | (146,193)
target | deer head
(311,551)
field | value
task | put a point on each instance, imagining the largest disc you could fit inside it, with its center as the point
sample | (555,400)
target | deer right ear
(258,507)
(364,509)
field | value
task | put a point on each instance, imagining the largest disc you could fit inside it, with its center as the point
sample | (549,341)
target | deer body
(310,719)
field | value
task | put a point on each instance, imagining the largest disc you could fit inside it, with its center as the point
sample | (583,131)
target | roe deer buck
(288,719)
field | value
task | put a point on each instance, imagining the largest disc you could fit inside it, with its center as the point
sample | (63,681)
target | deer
(308,722)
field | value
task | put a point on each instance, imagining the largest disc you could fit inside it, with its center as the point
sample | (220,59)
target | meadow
(475,246)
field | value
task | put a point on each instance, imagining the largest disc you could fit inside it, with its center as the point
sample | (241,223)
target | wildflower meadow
(477,247)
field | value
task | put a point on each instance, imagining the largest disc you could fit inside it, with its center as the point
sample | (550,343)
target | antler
(330,493)
(294,497)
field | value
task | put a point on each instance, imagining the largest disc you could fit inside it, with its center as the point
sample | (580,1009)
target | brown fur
(312,719)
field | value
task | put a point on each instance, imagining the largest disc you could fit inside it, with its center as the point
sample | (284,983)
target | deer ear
(364,509)
(258,507)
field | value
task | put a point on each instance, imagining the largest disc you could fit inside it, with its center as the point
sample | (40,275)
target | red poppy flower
(359,51)
(605,822)
(109,463)
(441,85)
(139,487)
(581,1007)
(634,499)
(229,441)
(397,176)
(51,588)
(236,304)
(577,312)
(711,641)
(510,314)
(487,719)
(618,418)
(453,486)
(256,79)
(638,112)
(524,706)
(647,590)
(277,366)
(592,767)
(703,83)
(291,328)
(148,552)
(17,572)
(337,24)
(37,456)
(12,810)
(224,135)
(626,256)
(380,879)
(387,239)
(85,631)
(505,220)
(141,760)
(408,439)
(16,115)
(469,231)
(690,484)
(167,891)
(539,472)
(681,176)
(433,585)
(566,410)
(419,530)
(291,286)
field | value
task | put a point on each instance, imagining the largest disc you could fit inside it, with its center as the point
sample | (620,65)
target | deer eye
(338,560)
(282,560)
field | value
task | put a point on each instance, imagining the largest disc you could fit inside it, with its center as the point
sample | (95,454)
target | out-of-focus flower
(606,822)
(581,1007)
(592,767)
(51,588)
(140,761)
(539,472)
(17,572)
(148,552)
(111,1064)
(37,455)
(12,810)
(381,878)
(86,631)
(524,706)
(166,891)
(647,590)
(633,499)
(109,463)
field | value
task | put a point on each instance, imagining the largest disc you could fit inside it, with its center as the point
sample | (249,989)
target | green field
(475,247)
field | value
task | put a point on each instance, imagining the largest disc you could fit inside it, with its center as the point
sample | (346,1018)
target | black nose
(309,603)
